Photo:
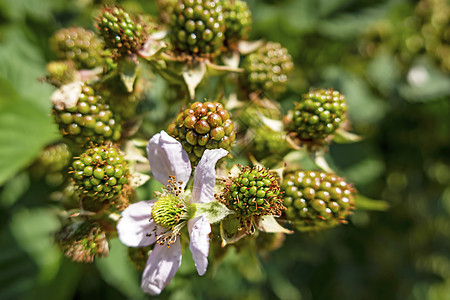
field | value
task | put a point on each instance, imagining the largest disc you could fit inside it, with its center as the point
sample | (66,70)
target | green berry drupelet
(79,45)
(100,173)
(254,192)
(197,27)
(318,115)
(238,21)
(122,34)
(89,120)
(316,200)
(267,69)
(203,126)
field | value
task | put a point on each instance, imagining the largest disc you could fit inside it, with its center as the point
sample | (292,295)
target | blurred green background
(390,58)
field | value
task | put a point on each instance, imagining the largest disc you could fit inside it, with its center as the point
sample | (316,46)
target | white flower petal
(162,264)
(199,230)
(205,176)
(136,223)
(167,157)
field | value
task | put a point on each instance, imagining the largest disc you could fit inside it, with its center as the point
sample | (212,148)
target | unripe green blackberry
(238,21)
(267,141)
(267,69)
(54,158)
(79,45)
(83,241)
(203,126)
(100,173)
(197,27)
(89,120)
(121,33)
(318,115)
(254,192)
(316,200)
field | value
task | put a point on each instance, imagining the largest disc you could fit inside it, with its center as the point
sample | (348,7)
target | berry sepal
(214,211)
(342,136)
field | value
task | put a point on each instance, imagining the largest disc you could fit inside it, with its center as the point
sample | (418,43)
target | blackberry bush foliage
(119,88)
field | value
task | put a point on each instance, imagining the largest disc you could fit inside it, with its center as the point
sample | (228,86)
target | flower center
(169,211)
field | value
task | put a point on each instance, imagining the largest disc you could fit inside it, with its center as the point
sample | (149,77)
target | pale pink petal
(162,264)
(135,225)
(167,157)
(205,176)
(199,230)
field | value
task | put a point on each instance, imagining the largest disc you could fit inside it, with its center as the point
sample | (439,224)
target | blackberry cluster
(319,114)
(267,69)
(203,126)
(123,34)
(54,158)
(79,45)
(90,120)
(316,200)
(197,27)
(238,21)
(100,173)
(83,241)
(254,192)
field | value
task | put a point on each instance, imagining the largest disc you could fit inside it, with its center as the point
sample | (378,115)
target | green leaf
(33,230)
(117,270)
(363,202)
(22,65)
(14,188)
(384,71)
(18,271)
(24,130)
